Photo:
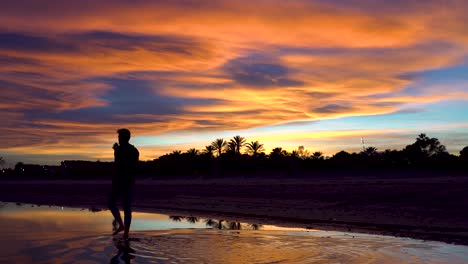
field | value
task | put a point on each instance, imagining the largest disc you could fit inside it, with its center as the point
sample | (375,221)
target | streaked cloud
(72,73)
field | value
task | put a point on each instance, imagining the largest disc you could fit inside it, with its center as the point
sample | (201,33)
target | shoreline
(286,203)
(457,236)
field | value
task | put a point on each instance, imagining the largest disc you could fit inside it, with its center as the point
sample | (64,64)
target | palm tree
(255,148)
(219,145)
(237,142)
(370,151)
(176,152)
(277,152)
(209,150)
(317,155)
(231,147)
(192,152)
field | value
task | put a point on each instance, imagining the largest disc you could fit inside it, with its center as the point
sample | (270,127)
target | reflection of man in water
(125,253)
(123,180)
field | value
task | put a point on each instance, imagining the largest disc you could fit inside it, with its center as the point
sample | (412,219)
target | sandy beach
(425,208)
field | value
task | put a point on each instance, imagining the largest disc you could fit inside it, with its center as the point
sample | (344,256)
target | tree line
(237,157)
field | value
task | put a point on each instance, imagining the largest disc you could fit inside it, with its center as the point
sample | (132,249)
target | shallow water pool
(32,234)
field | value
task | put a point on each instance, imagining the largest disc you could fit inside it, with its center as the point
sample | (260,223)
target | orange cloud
(85,68)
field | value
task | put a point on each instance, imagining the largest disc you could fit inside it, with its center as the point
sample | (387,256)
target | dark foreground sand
(425,208)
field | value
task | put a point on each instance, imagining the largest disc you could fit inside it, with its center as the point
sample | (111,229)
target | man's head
(124,135)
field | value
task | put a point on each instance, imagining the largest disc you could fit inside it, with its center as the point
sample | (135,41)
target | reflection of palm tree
(176,218)
(255,226)
(237,142)
(192,219)
(220,224)
(235,225)
(214,223)
(219,145)
(254,148)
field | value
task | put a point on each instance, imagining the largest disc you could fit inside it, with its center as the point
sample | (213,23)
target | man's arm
(137,155)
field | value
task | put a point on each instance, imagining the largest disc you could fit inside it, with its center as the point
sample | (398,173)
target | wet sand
(213,246)
(425,208)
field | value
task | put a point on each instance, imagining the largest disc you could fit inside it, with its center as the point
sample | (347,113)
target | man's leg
(127,207)
(112,204)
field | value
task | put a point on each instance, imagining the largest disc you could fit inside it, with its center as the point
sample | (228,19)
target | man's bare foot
(120,229)
(125,236)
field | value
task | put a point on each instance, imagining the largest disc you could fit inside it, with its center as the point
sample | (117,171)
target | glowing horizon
(321,74)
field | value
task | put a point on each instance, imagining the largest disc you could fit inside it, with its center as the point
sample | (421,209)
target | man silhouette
(123,180)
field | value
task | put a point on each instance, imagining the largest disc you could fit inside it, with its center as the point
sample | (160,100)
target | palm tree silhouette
(2,162)
(231,147)
(209,150)
(237,142)
(193,152)
(370,151)
(219,145)
(176,152)
(255,148)
(317,155)
(278,152)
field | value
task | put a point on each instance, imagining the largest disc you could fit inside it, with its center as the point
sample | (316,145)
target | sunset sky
(179,74)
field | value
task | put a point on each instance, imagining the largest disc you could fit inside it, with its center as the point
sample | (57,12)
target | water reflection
(192,219)
(52,235)
(124,252)
(94,209)
(217,224)
(176,218)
